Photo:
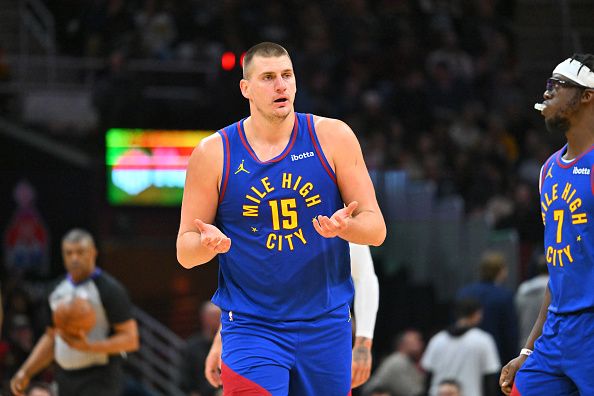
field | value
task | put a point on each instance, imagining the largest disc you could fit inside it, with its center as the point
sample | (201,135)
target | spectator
(399,373)
(194,382)
(379,391)
(528,299)
(499,313)
(449,387)
(463,352)
(39,389)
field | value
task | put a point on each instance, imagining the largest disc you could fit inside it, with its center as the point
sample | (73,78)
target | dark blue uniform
(283,288)
(563,362)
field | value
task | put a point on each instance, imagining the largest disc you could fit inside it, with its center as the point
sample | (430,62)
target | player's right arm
(508,373)
(41,357)
(198,241)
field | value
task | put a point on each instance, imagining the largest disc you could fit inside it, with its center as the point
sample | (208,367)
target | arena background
(440,94)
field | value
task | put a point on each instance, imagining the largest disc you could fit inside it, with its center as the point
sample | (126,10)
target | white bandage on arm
(366,290)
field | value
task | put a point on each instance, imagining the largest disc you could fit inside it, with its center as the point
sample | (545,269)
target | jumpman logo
(550,172)
(240,168)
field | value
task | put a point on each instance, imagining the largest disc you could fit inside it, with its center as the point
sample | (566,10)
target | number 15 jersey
(279,267)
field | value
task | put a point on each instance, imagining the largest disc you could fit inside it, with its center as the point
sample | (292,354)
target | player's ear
(243,86)
(588,95)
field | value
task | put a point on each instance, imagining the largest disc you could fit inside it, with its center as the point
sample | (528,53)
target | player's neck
(269,131)
(580,138)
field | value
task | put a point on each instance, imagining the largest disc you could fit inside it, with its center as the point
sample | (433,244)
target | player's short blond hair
(265,49)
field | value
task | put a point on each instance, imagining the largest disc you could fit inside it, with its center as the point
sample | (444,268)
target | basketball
(74,315)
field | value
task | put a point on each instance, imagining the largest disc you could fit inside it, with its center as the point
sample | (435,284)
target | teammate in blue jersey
(277,196)
(557,358)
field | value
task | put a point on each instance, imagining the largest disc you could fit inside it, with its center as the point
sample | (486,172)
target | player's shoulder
(335,135)
(208,149)
(332,126)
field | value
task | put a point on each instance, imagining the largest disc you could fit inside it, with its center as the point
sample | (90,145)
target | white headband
(576,71)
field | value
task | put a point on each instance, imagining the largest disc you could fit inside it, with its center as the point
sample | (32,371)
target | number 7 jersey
(567,206)
(279,267)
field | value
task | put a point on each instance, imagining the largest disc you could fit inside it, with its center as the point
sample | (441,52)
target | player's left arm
(366,306)
(361,221)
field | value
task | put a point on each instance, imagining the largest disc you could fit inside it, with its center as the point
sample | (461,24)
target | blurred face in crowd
(448,390)
(39,392)
(562,99)
(210,317)
(79,258)
(412,344)
(270,86)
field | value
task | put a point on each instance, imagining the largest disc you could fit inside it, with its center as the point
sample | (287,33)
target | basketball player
(87,364)
(365,307)
(557,358)
(288,190)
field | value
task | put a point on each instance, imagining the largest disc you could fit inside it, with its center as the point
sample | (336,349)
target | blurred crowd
(431,87)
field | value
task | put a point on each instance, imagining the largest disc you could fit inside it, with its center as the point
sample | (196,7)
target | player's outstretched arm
(508,373)
(361,221)
(41,357)
(198,241)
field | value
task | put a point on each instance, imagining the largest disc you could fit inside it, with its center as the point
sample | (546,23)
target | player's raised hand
(212,238)
(508,374)
(330,227)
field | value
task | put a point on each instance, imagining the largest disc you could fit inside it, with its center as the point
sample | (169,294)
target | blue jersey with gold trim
(567,207)
(278,266)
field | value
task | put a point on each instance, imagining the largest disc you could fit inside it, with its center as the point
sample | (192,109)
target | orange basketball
(74,315)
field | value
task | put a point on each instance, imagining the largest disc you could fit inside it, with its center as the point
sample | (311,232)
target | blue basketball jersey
(567,206)
(278,266)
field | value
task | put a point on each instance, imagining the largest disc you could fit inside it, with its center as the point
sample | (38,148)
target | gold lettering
(256,200)
(250,210)
(554,255)
(568,254)
(307,187)
(566,191)
(546,196)
(560,254)
(287,177)
(266,185)
(554,192)
(311,201)
(579,218)
(290,240)
(544,206)
(269,241)
(299,234)
(258,193)
(570,195)
(297,183)
(575,204)
(549,254)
